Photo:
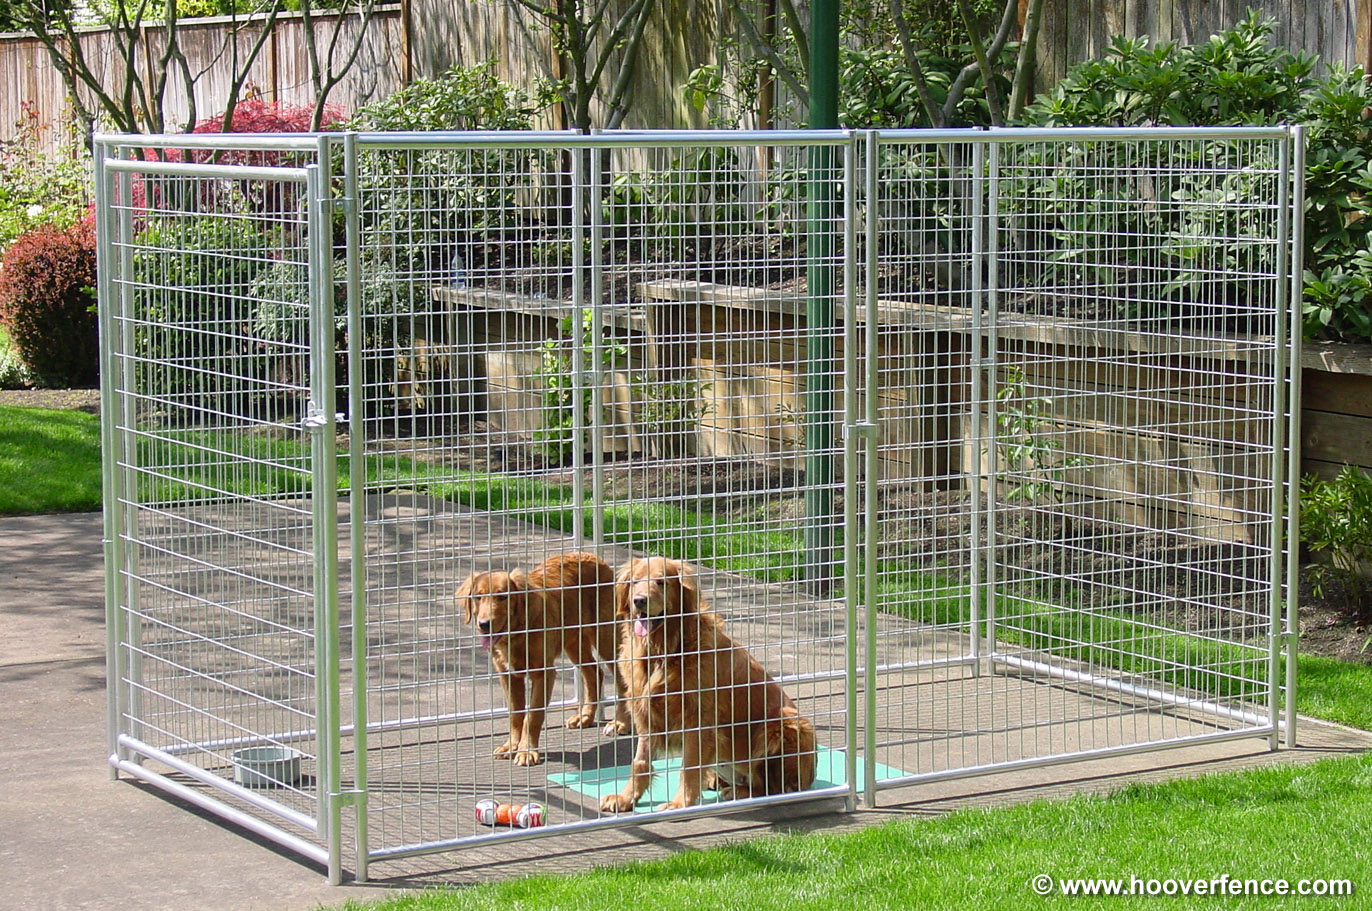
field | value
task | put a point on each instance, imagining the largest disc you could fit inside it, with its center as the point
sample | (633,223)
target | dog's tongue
(640,627)
(486,642)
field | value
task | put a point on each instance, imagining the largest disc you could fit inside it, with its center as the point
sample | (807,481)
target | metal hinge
(350,798)
(861,430)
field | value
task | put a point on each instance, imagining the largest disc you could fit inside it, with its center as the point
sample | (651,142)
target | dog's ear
(624,583)
(520,595)
(465,599)
(690,589)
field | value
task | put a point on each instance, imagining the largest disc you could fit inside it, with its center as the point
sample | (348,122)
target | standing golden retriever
(694,691)
(564,606)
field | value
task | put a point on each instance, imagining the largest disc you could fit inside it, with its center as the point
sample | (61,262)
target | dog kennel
(979,441)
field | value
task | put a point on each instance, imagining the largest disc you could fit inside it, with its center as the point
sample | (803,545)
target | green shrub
(1336,523)
(38,185)
(422,210)
(192,306)
(1239,78)
(47,304)
(461,98)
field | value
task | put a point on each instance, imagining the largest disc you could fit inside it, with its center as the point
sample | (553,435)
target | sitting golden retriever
(564,606)
(694,691)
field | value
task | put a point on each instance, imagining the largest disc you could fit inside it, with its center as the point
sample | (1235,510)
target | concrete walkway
(71,838)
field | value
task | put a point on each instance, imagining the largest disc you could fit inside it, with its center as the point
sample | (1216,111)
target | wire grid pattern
(216,610)
(1115,314)
(600,351)
(1022,450)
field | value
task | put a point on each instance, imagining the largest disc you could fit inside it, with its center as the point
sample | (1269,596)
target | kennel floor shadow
(434,711)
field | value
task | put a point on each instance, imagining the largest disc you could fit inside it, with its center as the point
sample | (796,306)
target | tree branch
(988,82)
(958,89)
(1024,66)
(910,50)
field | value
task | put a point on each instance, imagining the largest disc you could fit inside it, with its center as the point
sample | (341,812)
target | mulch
(87,400)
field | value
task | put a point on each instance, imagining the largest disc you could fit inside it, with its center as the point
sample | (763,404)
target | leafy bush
(423,210)
(257,116)
(461,98)
(1235,78)
(193,275)
(1336,522)
(1239,78)
(37,185)
(47,303)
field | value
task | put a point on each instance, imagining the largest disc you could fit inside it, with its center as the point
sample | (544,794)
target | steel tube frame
(860,453)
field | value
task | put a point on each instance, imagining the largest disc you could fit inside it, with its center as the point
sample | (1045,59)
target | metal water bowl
(266,767)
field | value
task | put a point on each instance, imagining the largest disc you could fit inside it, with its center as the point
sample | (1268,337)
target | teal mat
(597,783)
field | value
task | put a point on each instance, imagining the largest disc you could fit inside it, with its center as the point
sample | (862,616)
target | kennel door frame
(1278,715)
(119,161)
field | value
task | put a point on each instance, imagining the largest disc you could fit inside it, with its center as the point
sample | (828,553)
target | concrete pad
(73,839)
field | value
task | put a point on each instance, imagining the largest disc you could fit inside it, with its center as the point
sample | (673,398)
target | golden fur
(564,606)
(694,691)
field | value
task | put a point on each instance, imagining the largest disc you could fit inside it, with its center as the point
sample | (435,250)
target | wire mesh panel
(206,320)
(590,348)
(578,475)
(1111,312)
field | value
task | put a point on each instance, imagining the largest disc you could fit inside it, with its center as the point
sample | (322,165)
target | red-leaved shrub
(250,116)
(47,293)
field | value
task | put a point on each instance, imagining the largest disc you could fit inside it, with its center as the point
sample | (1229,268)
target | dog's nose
(484,625)
(640,601)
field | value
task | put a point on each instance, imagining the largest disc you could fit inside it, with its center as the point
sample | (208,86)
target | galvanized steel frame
(331,194)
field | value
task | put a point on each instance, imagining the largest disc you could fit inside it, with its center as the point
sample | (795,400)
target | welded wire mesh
(1114,455)
(216,613)
(996,421)
(598,350)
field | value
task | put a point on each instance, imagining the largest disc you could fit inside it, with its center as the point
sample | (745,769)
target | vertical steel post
(990,266)
(871,480)
(357,494)
(596,432)
(979,458)
(111,494)
(856,583)
(321,426)
(1295,333)
(578,330)
(822,211)
(1283,527)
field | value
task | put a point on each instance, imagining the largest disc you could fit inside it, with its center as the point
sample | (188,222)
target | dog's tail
(797,749)
(790,750)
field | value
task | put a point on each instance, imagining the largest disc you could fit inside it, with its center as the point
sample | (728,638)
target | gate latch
(316,419)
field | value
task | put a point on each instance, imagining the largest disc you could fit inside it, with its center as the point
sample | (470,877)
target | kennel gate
(1029,506)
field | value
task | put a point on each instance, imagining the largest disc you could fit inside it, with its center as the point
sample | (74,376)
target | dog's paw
(506,750)
(616,728)
(675,803)
(616,803)
(528,757)
(581,720)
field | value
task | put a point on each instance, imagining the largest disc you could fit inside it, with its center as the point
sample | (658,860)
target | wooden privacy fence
(685,34)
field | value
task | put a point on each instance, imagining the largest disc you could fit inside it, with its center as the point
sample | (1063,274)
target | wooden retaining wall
(1143,429)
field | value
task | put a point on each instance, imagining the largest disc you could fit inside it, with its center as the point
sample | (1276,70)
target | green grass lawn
(1295,823)
(49,461)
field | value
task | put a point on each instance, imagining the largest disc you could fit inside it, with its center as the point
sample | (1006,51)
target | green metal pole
(823,217)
